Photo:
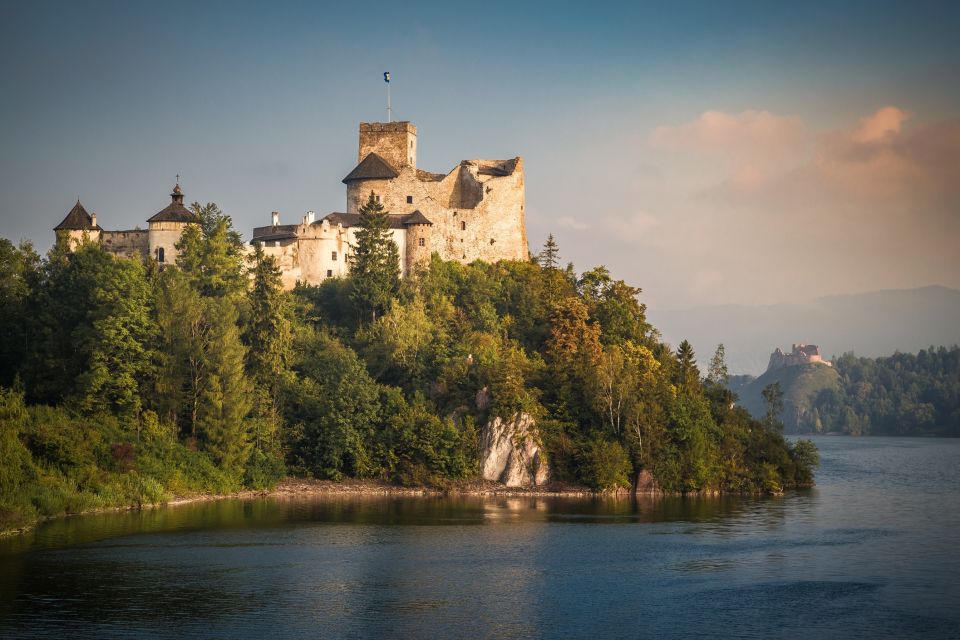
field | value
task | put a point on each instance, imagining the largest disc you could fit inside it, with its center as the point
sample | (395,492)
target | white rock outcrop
(510,452)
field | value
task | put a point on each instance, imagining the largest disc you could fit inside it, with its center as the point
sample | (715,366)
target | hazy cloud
(748,130)
(764,207)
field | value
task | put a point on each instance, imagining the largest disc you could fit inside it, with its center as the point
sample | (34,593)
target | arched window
(160,256)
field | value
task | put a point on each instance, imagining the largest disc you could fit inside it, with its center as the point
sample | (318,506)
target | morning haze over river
(869,553)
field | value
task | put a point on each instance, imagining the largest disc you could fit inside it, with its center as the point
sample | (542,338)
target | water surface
(870,553)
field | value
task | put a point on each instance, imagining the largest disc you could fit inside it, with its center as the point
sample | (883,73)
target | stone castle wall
(128,244)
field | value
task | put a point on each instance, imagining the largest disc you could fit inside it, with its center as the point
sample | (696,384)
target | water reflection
(857,557)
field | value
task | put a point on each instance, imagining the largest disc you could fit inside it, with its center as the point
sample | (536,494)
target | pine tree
(211,253)
(226,396)
(268,332)
(689,375)
(375,264)
(549,258)
(717,371)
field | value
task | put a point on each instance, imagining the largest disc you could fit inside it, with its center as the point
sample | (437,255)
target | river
(871,552)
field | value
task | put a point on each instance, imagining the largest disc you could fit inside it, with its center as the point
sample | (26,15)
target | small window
(160,255)
(463,226)
(377,198)
(422,242)
(329,273)
(492,241)
(333,256)
(409,199)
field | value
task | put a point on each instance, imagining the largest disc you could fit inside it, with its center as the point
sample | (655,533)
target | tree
(184,328)
(717,370)
(268,333)
(375,264)
(124,332)
(226,392)
(211,253)
(549,257)
(614,304)
(19,275)
(688,373)
(773,398)
(332,408)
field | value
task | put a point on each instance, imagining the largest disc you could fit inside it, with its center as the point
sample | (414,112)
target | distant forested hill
(903,394)
(868,324)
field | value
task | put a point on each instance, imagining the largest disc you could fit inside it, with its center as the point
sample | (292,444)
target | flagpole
(386,78)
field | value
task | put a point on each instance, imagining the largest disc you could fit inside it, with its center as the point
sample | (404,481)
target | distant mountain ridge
(870,324)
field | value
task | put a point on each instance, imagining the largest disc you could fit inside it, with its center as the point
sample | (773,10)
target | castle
(158,241)
(473,212)
(800,354)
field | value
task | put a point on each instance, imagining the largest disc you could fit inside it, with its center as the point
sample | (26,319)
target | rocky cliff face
(510,452)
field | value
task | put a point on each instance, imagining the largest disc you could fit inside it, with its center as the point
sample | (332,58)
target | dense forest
(903,394)
(124,384)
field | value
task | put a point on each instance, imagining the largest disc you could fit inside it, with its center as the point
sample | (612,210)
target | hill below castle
(800,385)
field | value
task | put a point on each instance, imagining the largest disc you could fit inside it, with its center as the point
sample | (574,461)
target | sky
(709,153)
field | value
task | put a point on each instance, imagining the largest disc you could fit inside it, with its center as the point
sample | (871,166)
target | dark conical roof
(77,220)
(373,167)
(175,211)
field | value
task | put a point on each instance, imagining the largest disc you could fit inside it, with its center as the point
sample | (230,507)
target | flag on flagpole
(386,77)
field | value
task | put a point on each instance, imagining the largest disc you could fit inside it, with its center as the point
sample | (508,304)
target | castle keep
(473,212)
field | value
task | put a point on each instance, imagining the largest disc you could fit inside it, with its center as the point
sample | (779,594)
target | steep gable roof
(373,167)
(77,220)
(416,218)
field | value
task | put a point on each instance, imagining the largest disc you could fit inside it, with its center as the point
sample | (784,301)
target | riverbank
(296,488)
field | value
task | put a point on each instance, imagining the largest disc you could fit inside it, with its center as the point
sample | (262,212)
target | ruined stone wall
(475,215)
(395,142)
(492,230)
(128,244)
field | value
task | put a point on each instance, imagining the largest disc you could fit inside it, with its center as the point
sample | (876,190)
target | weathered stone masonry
(473,212)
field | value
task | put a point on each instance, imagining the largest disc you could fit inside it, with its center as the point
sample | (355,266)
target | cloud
(879,125)
(638,226)
(747,131)
(572,223)
(755,207)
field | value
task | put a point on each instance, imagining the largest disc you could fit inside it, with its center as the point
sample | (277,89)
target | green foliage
(773,398)
(140,383)
(903,394)
(375,263)
(604,465)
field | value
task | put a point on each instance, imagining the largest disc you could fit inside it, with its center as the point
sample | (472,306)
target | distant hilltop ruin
(799,354)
